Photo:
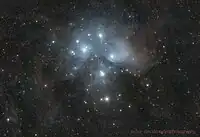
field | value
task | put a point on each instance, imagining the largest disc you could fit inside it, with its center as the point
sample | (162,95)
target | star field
(99,68)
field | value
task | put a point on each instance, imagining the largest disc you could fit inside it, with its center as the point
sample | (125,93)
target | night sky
(94,68)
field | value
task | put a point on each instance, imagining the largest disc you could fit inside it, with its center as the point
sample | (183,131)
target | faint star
(75,68)
(85,102)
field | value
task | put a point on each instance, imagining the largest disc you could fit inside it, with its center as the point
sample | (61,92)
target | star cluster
(101,51)
(93,68)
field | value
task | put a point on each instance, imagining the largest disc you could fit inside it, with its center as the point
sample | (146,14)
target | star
(107,99)
(73,53)
(84,49)
(147,85)
(112,56)
(100,35)
(8,119)
(102,73)
(85,102)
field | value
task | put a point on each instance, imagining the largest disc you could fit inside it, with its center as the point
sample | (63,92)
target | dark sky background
(36,100)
